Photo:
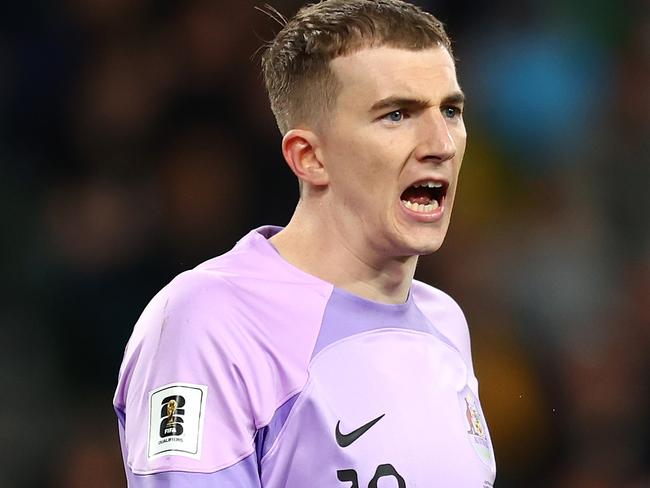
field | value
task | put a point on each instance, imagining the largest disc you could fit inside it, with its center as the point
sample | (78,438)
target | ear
(301,151)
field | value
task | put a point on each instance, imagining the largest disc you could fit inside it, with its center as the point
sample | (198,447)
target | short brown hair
(296,64)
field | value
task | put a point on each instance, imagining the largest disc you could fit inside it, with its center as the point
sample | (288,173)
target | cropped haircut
(296,64)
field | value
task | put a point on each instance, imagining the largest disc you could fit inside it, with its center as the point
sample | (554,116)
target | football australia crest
(476,427)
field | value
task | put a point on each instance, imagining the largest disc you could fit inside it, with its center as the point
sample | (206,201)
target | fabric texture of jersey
(248,372)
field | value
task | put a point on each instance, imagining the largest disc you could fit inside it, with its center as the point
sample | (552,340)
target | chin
(422,247)
(427,242)
(419,238)
(430,249)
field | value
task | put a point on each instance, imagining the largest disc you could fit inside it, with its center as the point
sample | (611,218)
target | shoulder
(436,302)
(234,318)
(445,315)
(185,326)
(190,328)
(199,296)
(191,304)
(205,299)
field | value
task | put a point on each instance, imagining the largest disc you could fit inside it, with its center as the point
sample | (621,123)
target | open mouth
(425,196)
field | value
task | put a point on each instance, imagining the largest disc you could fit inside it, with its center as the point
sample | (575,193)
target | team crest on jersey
(176,415)
(476,427)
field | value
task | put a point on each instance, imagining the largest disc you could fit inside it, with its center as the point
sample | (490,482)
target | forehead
(372,74)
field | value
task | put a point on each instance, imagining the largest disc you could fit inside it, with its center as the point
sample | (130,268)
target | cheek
(460,138)
(365,162)
(460,141)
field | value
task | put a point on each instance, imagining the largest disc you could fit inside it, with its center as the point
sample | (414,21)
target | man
(308,356)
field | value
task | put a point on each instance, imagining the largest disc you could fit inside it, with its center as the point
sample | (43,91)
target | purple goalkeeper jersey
(248,372)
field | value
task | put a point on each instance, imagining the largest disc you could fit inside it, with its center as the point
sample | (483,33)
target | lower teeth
(421,207)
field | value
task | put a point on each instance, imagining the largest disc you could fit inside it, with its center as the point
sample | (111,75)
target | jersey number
(383,471)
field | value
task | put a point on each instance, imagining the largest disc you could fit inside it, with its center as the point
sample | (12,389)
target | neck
(324,250)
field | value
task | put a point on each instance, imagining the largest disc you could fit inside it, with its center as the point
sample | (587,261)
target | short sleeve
(182,398)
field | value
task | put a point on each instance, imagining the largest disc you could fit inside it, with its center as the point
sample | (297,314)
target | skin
(350,227)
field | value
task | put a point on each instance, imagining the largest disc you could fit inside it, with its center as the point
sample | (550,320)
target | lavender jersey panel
(244,474)
(446,316)
(348,314)
(389,403)
(267,435)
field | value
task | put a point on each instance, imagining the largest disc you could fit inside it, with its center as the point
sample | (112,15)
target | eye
(395,116)
(452,112)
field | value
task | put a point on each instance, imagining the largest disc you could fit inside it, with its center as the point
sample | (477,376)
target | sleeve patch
(176,415)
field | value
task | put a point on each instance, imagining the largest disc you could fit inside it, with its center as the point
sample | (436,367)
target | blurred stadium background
(136,141)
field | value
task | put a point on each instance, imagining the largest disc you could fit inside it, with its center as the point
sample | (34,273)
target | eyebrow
(456,98)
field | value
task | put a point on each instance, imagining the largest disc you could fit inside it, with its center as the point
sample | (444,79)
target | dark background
(136,141)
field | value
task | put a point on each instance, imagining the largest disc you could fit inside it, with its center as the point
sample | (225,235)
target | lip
(435,179)
(429,217)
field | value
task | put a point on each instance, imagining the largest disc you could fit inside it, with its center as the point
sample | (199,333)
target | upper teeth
(428,184)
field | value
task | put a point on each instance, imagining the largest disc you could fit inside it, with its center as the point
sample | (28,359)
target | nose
(435,141)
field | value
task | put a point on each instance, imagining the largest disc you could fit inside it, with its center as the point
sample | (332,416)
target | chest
(383,409)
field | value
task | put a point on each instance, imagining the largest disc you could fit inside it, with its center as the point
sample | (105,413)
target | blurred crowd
(136,141)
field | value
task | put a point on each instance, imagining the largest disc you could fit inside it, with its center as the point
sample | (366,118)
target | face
(393,147)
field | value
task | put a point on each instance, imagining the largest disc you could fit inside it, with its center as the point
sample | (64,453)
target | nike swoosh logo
(344,440)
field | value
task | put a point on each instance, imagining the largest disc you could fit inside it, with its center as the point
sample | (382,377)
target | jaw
(415,237)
